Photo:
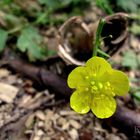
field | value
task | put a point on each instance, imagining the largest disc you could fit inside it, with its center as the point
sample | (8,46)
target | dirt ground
(32,111)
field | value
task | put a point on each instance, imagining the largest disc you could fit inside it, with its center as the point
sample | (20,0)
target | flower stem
(98,35)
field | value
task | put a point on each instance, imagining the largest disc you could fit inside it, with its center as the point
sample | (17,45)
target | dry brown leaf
(8,92)
(4,73)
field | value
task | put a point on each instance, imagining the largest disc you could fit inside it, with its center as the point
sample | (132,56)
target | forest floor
(30,112)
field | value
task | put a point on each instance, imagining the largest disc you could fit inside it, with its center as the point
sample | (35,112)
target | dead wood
(15,129)
(126,121)
(41,76)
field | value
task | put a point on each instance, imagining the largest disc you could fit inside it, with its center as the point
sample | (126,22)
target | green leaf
(105,5)
(3,39)
(12,19)
(51,52)
(31,41)
(102,53)
(129,5)
(55,4)
(130,60)
(7,1)
(137,95)
(135,29)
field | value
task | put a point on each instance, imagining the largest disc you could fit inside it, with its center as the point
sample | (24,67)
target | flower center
(102,88)
(96,86)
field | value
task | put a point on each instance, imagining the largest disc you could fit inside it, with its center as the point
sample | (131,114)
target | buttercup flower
(95,86)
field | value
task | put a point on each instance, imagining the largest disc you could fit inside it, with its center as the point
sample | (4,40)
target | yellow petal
(77,78)
(119,81)
(98,65)
(80,101)
(103,106)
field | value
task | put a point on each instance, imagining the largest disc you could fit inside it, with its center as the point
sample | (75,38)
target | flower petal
(77,78)
(80,101)
(103,106)
(98,65)
(119,82)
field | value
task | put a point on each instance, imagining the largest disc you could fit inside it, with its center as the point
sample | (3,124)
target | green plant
(98,39)
(131,6)
(24,23)
(52,9)
(3,38)
(96,84)
(31,41)
(105,6)
(135,28)
(130,60)
(135,94)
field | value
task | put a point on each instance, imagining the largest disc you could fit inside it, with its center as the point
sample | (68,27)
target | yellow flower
(96,84)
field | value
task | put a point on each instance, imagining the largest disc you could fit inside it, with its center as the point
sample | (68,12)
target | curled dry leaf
(75,39)
(73,34)
(116,26)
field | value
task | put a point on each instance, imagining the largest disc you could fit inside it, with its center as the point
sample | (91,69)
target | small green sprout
(96,85)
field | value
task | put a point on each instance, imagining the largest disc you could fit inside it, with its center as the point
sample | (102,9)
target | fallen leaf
(4,73)
(3,39)
(8,92)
